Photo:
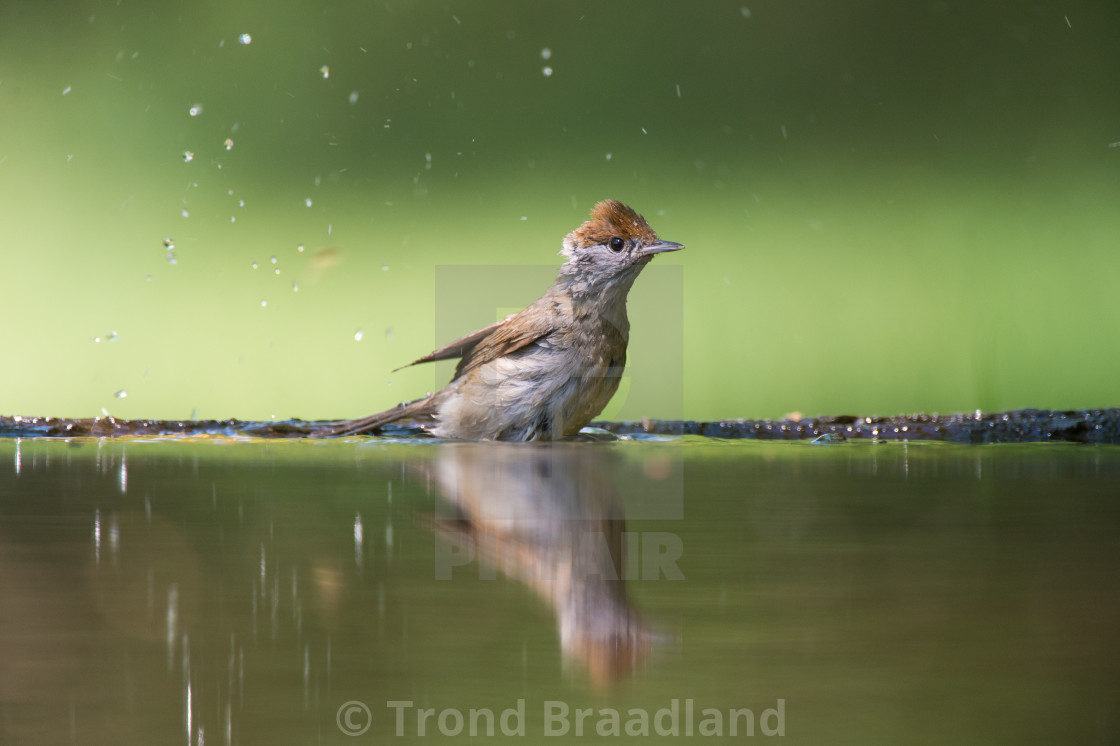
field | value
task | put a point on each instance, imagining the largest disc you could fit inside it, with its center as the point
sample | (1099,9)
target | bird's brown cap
(611,218)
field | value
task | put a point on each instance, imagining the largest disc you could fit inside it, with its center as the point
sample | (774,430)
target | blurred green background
(888,207)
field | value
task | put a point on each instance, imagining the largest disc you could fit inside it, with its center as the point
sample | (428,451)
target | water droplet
(325,70)
(112,337)
(300,248)
(384,267)
(358,336)
(67,90)
(97,340)
(245,39)
(171,259)
(121,394)
(274,260)
(308,202)
(229,144)
(233,218)
(353,97)
(168,244)
(254,265)
(295,286)
(389,334)
(264,304)
(196,110)
(546,53)
(184,213)
(188,155)
(240,203)
(276,271)
(745,11)
(546,71)
(608,156)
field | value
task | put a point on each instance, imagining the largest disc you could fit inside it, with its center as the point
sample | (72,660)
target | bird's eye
(616,244)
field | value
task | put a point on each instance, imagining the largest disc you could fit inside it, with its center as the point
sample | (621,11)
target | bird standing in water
(544,372)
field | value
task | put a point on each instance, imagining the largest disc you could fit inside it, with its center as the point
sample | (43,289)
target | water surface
(230,590)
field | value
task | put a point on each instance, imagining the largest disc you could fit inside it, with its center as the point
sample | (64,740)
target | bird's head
(609,250)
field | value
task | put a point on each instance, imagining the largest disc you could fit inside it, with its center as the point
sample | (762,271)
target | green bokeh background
(888,207)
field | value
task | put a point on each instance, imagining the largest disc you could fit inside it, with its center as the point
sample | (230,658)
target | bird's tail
(420,409)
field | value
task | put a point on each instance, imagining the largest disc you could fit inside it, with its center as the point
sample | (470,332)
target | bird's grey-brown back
(546,371)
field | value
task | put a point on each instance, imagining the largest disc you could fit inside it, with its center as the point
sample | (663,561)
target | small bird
(544,372)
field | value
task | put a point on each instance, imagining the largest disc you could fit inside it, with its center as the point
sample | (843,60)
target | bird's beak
(661,246)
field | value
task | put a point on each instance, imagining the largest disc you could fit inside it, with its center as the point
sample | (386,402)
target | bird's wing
(522,330)
(489,343)
(459,348)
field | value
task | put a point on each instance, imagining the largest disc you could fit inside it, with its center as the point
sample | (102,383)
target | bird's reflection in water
(548,516)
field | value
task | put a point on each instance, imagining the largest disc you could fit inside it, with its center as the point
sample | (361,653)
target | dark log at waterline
(1019,426)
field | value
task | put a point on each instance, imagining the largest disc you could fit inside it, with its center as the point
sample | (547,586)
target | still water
(237,591)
